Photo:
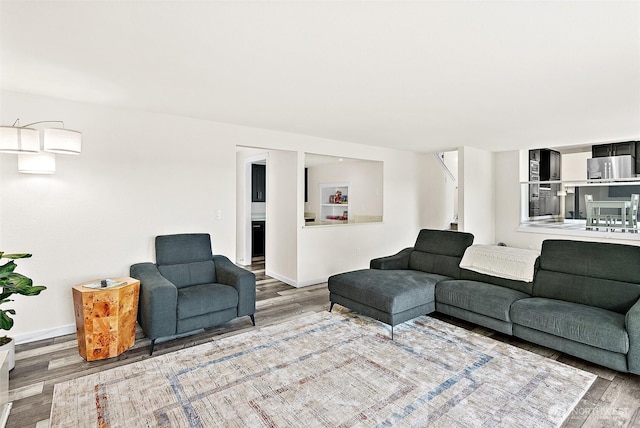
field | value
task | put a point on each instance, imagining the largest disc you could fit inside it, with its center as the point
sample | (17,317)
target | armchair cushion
(188,274)
(183,248)
(205,298)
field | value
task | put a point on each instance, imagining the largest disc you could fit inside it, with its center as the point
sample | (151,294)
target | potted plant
(11,283)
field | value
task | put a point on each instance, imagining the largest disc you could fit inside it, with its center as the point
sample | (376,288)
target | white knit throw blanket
(505,262)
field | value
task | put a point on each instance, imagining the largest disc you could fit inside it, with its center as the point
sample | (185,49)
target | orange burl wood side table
(106,318)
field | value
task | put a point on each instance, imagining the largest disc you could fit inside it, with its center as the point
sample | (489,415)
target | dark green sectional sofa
(583,300)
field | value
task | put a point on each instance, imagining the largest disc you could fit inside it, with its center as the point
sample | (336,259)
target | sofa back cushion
(439,251)
(524,286)
(597,274)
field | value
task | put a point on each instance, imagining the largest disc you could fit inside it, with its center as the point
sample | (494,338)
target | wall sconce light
(25,142)
(39,163)
(19,140)
(63,141)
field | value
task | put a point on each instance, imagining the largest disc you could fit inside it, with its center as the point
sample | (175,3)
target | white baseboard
(71,328)
(45,334)
(280,278)
(311,282)
(293,283)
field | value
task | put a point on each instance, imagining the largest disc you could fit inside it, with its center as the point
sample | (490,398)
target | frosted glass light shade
(19,140)
(41,163)
(63,141)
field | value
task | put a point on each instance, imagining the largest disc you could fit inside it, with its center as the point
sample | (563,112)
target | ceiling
(421,76)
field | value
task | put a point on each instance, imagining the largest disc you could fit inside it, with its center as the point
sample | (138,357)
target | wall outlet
(218,214)
(357,251)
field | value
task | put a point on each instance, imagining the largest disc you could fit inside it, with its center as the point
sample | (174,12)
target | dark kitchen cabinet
(544,166)
(257,238)
(614,149)
(548,164)
(258,183)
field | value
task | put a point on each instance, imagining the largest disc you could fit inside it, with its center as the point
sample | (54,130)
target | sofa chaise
(401,287)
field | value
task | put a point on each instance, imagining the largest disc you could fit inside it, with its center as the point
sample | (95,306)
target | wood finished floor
(612,401)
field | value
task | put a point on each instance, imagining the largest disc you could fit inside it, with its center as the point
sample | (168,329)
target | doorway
(252,186)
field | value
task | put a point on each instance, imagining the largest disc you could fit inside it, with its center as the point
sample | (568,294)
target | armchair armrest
(399,260)
(243,280)
(632,323)
(157,303)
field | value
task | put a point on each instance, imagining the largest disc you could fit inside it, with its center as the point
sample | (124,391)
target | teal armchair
(188,288)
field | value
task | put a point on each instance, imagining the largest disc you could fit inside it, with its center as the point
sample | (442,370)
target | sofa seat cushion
(589,325)
(205,298)
(486,299)
(390,291)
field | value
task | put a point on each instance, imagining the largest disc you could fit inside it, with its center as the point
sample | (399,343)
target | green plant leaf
(25,290)
(5,321)
(7,267)
(16,256)
(11,283)
(15,281)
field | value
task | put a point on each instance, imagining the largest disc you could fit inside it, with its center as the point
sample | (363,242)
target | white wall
(325,250)
(139,175)
(282,210)
(145,174)
(574,166)
(437,193)
(477,203)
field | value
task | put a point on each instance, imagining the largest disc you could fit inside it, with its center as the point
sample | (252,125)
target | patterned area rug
(330,370)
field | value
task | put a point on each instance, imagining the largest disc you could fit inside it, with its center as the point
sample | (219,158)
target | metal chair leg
(331,306)
(253,320)
(153,343)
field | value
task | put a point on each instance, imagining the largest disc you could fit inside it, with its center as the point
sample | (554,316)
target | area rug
(330,370)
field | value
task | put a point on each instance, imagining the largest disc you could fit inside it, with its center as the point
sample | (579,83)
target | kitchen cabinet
(334,202)
(258,183)
(554,165)
(544,165)
(614,149)
(549,164)
(257,238)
